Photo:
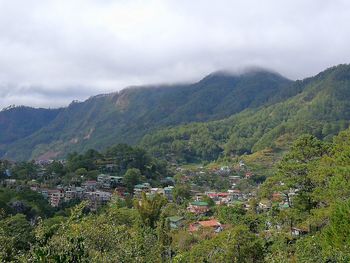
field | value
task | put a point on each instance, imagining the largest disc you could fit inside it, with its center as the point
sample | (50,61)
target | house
(44,192)
(284,206)
(168,192)
(198,207)
(197,194)
(241,163)
(219,198)
(277,197)
(10,182)
(80,192)
(264,204)
(120,191)
(212,223)
(7,172)
(97,198)
(248,175)
(235,194)
(70,194)
(224,170)
(168,180)
(107,181)
(140,188)
(234,179)
(103,180)
(299,231)
(90,185)
(55,197)
(175,222)
(115,181)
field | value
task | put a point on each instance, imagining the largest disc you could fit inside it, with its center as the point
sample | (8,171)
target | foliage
(317,108)
(235,245)
(149,209)
(181,193)
(131,178)
(24,201)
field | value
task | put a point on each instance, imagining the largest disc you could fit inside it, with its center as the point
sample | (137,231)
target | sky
(56,51)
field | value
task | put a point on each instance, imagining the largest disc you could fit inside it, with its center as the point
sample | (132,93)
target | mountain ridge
(126,116)
(321,107)
(255,110)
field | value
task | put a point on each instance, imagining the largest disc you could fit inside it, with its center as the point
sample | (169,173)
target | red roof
(211,195)
(193,228)
(248,174)
(209,223)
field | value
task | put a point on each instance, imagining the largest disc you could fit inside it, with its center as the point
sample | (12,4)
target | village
(201,199)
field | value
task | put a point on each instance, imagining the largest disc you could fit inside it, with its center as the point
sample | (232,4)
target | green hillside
(127,116)
(19,122)
(322,109)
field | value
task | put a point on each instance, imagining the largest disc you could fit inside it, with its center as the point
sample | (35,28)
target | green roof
(199,203)
(140,186)
(284,206)
(175,218)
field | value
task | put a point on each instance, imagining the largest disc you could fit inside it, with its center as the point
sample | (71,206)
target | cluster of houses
(98,192)
(60,195)
(282,200)
(177,222)
(151,191)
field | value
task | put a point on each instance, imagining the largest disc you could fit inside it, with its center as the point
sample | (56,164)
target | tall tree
(149,209)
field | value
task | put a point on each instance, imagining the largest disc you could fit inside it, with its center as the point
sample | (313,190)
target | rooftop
(175,218)
(209,223)
(199,203)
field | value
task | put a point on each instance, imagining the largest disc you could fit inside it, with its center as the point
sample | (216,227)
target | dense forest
(321,108)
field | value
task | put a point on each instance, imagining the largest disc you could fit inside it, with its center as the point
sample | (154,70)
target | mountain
(321,107)
(128,115)
(20,122)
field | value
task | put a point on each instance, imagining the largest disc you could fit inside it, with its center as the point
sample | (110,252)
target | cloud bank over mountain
(54,51)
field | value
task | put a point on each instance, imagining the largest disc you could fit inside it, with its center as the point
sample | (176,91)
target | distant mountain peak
(244,72)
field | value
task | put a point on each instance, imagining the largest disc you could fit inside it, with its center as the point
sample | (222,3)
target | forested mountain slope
(127,116)
(19,122)
(322,109)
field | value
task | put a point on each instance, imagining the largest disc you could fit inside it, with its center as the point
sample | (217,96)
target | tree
(237,245)
(18,229)
(164,239)
(149,209)
(230,214)
(182,192)
(131,178)
(81,172)
(295,172)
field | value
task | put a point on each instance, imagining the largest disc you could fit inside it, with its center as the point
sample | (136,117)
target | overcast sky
(52,52)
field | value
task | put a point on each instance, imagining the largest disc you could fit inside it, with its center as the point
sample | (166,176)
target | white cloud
(67,47)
